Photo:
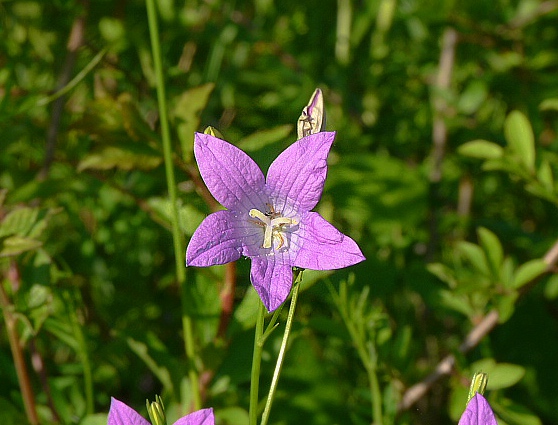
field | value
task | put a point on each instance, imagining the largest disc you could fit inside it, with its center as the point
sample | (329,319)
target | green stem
(176,234)
(256,363)
(375,393)
(281,357)
(82,350)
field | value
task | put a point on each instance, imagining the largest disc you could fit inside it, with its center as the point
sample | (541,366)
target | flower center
(274,225)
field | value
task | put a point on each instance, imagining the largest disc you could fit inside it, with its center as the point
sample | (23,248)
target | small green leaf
(482,149)
(455,302)
(444,273)
(18,222)
(528,271)
(551,288)
(262,138)
(512,413)
(504,375)
(520,138)
(549,104)
(505,304)
(186,114)
(492,248)
(475,255)
(126,156)
(545,177)
(15,245)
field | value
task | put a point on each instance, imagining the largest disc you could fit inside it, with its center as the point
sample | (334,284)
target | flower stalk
(171,183)
(297,277)
(256,365)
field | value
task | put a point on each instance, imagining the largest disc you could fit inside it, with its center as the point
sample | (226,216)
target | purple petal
(215,241)
(272,277)
(298,174)
(231,176)
(121,414)
(323,247)
(201,417)
(478,412)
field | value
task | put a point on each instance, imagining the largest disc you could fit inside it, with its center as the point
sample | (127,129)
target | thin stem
(19,361)
(256,363)
(281,356)
(82,351)
(375,392)
(176,235)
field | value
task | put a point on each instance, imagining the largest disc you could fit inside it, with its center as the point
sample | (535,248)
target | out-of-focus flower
(268,219)
(122,414)
(478,412)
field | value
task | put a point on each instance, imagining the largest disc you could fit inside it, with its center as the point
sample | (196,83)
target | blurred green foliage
(86,255)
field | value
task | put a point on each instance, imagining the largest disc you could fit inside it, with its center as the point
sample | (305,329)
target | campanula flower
(268,219)
(478,412)
(122,414)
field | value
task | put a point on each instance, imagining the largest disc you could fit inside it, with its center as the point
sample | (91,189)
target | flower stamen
(274,225)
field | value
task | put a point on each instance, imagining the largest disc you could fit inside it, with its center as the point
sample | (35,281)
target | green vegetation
(443,170)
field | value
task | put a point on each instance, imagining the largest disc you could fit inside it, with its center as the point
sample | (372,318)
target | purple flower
(268,219)
(478,412)
(122,414)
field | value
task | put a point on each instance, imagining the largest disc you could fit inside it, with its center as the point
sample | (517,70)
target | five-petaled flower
(268,219)
(122,414)
(478,412)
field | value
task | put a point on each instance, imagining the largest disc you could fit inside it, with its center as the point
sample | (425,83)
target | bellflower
(268,219)
(122,414)
(478,412)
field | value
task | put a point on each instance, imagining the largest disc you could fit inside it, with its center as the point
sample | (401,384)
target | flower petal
(215,241)
(323,247)
(272,277)
(122,414)
(297,175)
(478,412)
(231,176)
(201,417)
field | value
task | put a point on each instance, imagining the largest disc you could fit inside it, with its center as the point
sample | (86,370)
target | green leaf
(520,138)
(126,156)
(482,149)
(475,255)
(444,273)
(545,177)
(505,304)
(186,114)
(15,245)
(551,288)
(549,104)
(262,138)
(455,302)
(18,222)
(504,375)
(492,248)
(528,271)
(513,413)
(161,372)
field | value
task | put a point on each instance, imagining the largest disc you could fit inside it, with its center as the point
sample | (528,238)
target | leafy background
(443,171)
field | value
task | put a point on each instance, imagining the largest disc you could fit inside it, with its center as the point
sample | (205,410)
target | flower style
(122,414)
(478,412)
(268,219)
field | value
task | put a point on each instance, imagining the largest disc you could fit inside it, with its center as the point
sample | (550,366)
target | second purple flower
(268,219)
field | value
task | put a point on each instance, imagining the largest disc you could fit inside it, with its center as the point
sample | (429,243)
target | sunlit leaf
(492,248)
(124,156)
(528,271)
(482,149)
(520,138)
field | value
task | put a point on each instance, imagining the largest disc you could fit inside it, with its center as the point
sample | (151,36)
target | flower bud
(313,117)
(156,411)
